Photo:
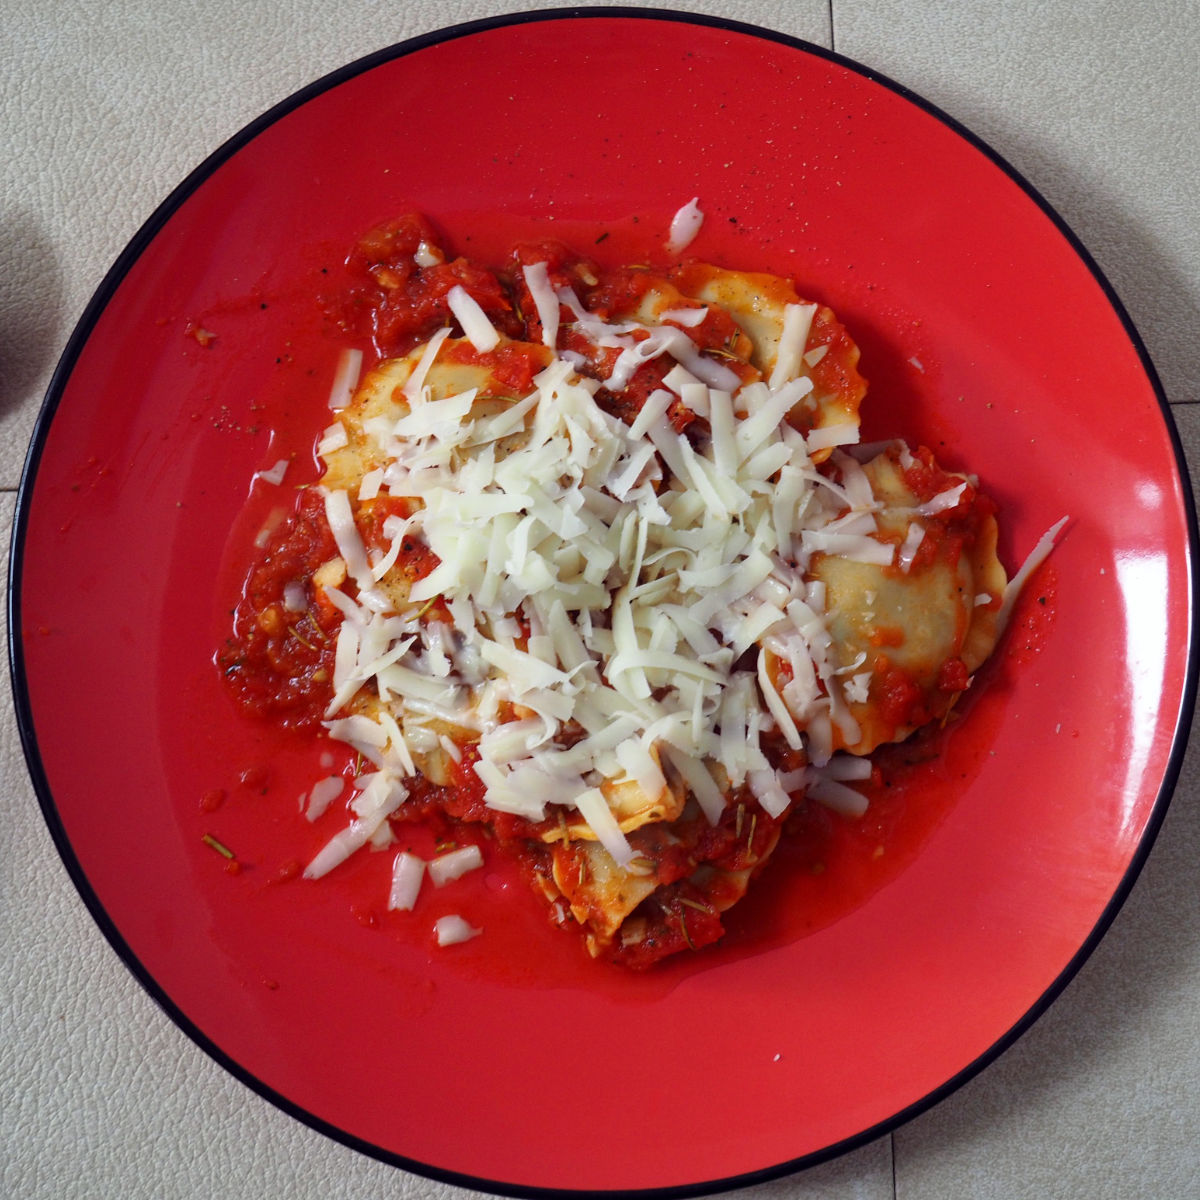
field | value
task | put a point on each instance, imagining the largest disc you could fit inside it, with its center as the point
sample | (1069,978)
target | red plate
(843,1001)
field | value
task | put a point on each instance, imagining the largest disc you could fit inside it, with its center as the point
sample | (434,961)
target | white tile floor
(1094,102)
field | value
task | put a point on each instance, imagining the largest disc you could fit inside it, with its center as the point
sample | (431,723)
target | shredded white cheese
(537,279)
(603,579)
(345,378)
(407,872)
(323,794)
(453,864)
(276,473)
(452,929)
(372,806)
(685,224)
(1033,560)
(479,330)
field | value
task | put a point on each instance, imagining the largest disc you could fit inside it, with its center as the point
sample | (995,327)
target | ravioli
(908,628)
(606,573)
(789,339)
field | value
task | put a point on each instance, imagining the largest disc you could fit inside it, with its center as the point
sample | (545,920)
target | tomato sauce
(397,302)
(510,365)
(415,559)
(900,699)
(278,662)
(836,371)
(1033,621)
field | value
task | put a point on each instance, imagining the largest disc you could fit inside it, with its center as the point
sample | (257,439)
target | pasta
(598,564)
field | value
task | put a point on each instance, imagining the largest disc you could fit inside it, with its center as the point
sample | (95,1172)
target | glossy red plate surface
(842,1001)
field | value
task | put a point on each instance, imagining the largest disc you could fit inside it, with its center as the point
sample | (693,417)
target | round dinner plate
(851,992)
